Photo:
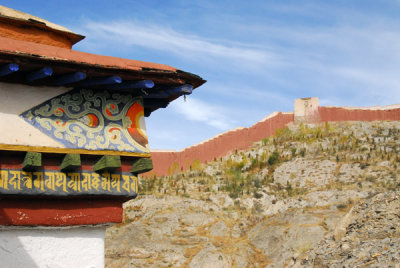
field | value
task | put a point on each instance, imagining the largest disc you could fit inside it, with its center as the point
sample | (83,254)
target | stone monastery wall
(220,145)
(242,138)
(329,114)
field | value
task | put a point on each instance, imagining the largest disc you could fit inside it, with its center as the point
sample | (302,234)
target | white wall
(16,99)
(306,110)
(81,247)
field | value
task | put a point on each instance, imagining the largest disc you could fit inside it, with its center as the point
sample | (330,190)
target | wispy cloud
(247,94)
(289,58)
(200,111)
(162,38)
(285,55)
(279,47)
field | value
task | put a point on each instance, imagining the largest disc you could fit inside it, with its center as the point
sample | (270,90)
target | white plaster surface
(305,106)
(81,247)
(16,99)
(14,130)
(306,110)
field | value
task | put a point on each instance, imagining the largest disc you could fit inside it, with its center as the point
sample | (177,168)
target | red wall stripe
(59,212)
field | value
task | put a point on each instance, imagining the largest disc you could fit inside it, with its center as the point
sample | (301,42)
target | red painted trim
(50,212)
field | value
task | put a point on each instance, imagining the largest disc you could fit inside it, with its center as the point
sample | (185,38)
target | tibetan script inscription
(56,183)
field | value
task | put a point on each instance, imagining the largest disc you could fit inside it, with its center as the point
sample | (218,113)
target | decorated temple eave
(33,55)
(77,69)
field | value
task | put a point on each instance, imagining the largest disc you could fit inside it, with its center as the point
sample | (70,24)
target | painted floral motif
(86,119)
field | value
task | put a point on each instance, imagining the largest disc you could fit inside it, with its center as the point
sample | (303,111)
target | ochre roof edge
(20,17)
(23,16)
(17,47)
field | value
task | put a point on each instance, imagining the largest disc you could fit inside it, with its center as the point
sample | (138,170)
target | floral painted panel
(93,120)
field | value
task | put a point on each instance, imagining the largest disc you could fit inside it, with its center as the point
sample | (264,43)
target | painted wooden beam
(142,165)
(156,95)
(147,112)
(181,90)
(98,81)
(69,78)
(164,94)
(155,103)
(107,162)
(8,69)
(32,161)
(70,162)
(132,85)
(43,149)
(39,74)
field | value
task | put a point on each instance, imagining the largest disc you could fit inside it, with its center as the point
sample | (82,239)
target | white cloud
(158,37)
(200,111)
(283,55)
(291,59)
(323,49)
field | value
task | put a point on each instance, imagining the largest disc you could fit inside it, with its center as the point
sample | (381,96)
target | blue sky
(257,56)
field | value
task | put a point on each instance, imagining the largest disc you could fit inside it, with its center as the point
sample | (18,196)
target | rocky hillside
(310,196)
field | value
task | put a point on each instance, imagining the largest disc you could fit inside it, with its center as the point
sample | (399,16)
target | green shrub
(264,141)
(341,206)
(293,150)
(257,195)
(233,195)
(273,158)
(254,163)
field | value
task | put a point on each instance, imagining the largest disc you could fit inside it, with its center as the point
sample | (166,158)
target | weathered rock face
(175,231)
(282,236)
(300,171)
(371,237)
(334,204)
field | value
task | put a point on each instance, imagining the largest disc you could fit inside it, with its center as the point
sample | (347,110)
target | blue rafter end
(133,85)
(69,78)
(98,81)
(181,90)
(39,74)
(8,69)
